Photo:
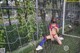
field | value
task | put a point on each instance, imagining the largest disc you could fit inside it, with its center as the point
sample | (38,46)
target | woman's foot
(61,38)
(39,48)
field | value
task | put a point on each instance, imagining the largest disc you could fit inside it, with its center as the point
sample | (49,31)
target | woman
(53,28)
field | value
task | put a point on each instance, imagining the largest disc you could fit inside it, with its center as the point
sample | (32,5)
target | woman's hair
(53,20)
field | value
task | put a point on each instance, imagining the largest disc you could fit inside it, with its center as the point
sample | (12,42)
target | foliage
(30,6)
(2,37)
(24,30)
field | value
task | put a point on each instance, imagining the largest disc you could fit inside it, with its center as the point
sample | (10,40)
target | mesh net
(72,18)
(20,31)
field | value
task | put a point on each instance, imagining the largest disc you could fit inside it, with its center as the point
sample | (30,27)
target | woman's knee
(60,43)
(58,40)
(48,37)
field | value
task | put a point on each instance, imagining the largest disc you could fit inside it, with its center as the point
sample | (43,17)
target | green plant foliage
(29,8)
(2,37)
(24,30)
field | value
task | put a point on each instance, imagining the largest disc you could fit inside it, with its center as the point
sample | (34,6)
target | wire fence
(72,18)
(23,35)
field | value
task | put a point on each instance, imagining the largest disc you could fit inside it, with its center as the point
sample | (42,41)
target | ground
(70,45)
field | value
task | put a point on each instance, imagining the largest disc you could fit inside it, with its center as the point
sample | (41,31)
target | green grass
(25,49)
(73,44)
(52,47)
(75,31)
(30,48)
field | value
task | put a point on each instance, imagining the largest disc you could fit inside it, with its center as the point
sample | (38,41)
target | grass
(74,31)
(53,47)
(30,48)
(72,43)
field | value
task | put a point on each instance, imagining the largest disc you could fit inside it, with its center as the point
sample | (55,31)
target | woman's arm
(51,34)
(57,29)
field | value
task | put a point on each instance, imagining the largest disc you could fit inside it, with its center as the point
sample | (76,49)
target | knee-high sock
(43,41)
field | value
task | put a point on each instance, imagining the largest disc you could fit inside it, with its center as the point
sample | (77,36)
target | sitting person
(53,29)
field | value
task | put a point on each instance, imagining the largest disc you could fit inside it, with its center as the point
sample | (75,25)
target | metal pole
(64,6)
(5,27)
(37,17)
(8,12)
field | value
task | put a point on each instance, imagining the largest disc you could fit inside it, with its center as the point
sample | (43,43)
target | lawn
(53,47)
(70,45)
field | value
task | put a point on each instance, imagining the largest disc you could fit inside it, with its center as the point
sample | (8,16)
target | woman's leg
(42,42)
(55,36)
(57,39)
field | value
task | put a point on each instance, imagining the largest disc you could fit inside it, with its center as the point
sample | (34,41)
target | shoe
(39,48)
(61,38)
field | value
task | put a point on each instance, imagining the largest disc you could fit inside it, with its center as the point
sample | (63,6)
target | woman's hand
(57,29)
(52,39)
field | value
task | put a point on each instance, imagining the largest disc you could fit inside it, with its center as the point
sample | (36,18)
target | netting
(16,28)
(24,22)
(71,18)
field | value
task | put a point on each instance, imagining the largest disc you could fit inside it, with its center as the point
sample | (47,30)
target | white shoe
(61,38)
(39,48)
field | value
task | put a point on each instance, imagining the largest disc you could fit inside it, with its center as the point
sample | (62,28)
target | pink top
(51,27)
